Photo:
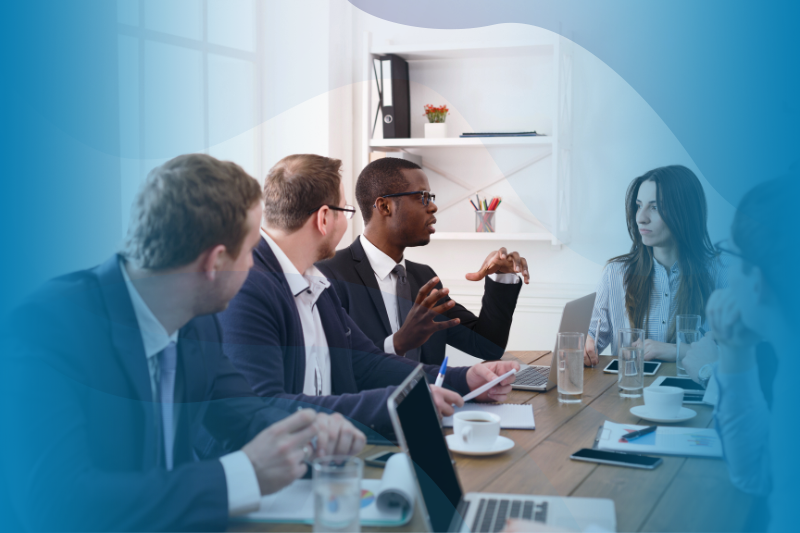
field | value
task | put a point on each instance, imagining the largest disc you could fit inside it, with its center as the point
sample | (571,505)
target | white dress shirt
(306,289)
(244,494)
(382,266)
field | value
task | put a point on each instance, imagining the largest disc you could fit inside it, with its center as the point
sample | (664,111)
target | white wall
(310,77)
(616,137)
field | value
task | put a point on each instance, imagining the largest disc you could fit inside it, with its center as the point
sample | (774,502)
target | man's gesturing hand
(277,452)
(420,323)
(504,263)
(481,374)
(337,436)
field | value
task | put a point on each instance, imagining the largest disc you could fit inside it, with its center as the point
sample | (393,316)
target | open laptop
(444,505)
(576,317)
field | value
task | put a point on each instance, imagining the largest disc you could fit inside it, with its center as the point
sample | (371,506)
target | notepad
(388,501)
(512,416)
(688,442)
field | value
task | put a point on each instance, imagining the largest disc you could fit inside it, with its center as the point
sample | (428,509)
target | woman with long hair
(671,269)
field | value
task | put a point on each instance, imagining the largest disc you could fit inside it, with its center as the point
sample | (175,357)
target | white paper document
(388,501)
(688,442)
(512,416)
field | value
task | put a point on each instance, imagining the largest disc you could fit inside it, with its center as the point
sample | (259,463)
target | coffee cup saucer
(502,444)
(683,415)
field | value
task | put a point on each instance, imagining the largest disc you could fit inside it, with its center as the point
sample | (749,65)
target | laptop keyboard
(533,376)
(492,514)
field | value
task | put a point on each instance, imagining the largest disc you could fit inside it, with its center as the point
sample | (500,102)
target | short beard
(325,251)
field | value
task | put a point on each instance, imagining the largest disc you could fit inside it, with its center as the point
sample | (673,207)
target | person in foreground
(759,441)
(111,372)
(400,305)
(671,270)
(286,330)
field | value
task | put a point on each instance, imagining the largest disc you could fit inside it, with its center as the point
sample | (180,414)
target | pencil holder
(484,221)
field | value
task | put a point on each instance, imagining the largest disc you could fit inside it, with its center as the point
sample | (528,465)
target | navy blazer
(483,336)
(264,340)
(82,443)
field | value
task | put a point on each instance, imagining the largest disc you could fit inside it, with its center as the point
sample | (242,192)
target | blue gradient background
(723,76)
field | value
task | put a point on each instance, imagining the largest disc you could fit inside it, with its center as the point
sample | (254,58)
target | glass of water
(630,378)
(569,353)
(687,331)
(337,493)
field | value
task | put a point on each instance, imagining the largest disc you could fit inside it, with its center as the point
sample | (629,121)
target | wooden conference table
(680,495)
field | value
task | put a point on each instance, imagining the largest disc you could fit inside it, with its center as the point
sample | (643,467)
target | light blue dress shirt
(609,304)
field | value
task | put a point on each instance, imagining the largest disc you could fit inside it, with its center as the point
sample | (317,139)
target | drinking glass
(687,331)
(569,353)
(337,493)
(630,377)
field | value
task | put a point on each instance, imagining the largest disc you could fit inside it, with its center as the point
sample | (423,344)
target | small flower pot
(435,130)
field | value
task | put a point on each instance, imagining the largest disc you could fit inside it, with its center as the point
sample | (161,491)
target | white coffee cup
(476,430)
(663,402)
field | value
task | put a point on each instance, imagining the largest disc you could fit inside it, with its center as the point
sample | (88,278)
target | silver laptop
(443,504)
(576,317)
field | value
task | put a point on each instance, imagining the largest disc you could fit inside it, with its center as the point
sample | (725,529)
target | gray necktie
(167,363)
(404,303)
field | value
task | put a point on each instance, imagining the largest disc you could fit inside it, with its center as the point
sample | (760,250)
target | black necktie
(404,303)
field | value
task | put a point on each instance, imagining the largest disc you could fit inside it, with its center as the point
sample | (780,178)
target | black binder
(391,74)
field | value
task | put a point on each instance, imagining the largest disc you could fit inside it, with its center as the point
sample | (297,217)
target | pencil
(473,205)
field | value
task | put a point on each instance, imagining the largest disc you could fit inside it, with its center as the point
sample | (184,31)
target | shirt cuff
(244,495)
(506,279)
(388,345)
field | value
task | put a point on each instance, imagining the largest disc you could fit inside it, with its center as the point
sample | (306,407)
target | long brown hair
(682,206)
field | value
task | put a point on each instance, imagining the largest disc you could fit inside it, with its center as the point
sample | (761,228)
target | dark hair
(682,206)
(382,176)
(296,185)
(186,206)
(763,230)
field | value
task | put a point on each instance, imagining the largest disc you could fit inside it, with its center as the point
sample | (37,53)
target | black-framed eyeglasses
(348,210)
(725,248)
(426,196)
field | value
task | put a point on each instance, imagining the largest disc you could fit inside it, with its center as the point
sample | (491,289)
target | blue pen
(442,370)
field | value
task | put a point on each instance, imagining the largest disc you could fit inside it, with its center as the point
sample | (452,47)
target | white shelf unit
(461,141)
(556,230)
(474,236)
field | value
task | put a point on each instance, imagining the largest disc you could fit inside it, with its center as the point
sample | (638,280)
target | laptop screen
(427,447)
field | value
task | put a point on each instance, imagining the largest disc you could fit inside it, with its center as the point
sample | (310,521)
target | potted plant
(436,128)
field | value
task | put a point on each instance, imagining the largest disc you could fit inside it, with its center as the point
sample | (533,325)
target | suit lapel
(269,265)
(338,336)
(367,275)
(127,339)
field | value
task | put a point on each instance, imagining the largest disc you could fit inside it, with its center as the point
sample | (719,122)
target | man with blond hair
(286,330)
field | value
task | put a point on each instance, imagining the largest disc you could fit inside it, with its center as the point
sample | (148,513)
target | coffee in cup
(663,402)
(476,430)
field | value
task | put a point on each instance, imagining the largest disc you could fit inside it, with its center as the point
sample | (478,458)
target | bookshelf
(446,159)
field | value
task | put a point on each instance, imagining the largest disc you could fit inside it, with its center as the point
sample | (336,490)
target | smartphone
(632,460)
(650,367)
(692,392)
(379,459)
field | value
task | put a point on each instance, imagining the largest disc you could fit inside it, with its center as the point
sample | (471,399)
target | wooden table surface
(680,495)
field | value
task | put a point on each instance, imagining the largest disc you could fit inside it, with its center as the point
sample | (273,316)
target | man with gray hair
(103,410)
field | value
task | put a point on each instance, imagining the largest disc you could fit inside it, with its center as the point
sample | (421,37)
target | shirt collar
(297,283)
(673,270)
(381,263)
(154,336)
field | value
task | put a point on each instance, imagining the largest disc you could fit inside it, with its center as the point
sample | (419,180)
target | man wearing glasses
(286,330)
(400,305)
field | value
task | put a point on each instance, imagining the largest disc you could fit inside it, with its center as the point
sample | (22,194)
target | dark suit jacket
(483,336)
(264,339)
(81,440)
